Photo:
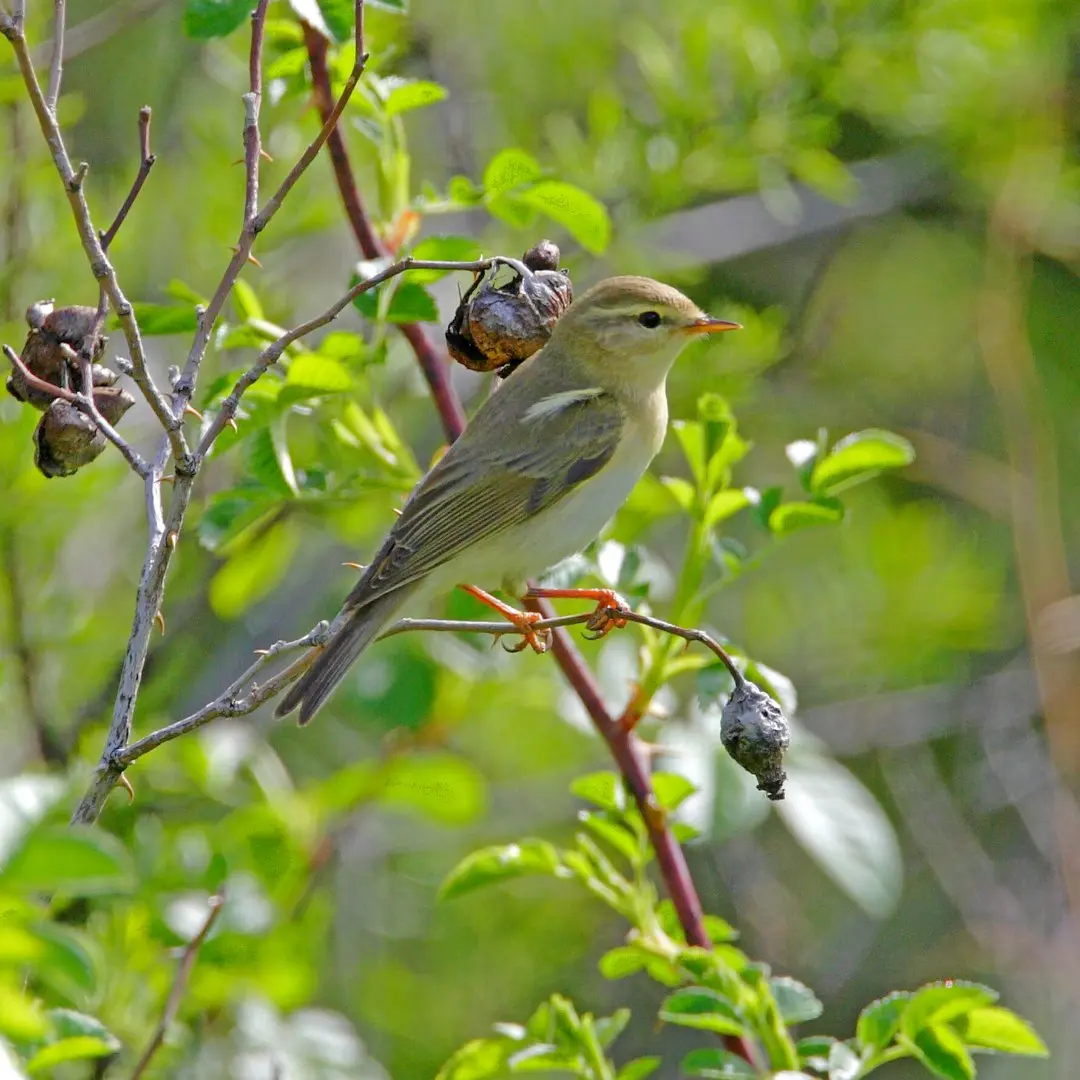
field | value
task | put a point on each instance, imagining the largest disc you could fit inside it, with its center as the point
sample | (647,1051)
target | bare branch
(183,973)
(100,266)
(146,163)
(252,106)
(185,386)
(56,66)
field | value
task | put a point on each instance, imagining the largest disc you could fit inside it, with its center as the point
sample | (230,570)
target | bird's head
(632,328)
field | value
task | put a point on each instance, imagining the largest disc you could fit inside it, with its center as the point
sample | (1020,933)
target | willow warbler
(542,466)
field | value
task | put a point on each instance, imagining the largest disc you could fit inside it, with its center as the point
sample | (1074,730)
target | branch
(146,163)
(255,224)
(56,65)
(273,352)
(433,364)
(12,28)
(183,973)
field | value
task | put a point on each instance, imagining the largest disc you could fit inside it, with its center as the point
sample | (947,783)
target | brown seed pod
(49,329)
(499,326)
(755,733)
(66,439)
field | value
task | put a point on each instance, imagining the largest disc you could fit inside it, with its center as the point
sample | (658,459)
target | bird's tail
(310,692)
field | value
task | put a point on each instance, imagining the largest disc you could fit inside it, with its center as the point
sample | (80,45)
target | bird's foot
(523,621)
(610,613)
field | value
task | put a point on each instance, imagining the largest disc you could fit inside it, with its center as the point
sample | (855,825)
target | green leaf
(205,19)
(706,1010)
(938,1002)
(726,504)
(624,960)
(716,1064)
(229,513)
(585,218)
(793,516)
(442,249)
(406,94)
(995,1028)
(443,787)
(614,833)
(477,1059)
(844,1063)
(463,191)
(639,1068)
(74,861)
(509,169)
(21,1018)
(338,16)
(842,827)
(797,1003)
(263,462)
(410,303)
(492,864)
(63,961)
(672,789)
(160,319)
(682,491)
(399,7)
(77,1048)
(858,457)
(246,302)
(314,375)
(253,571)
(942,1051)
(603,789)
(609,1028)
(815,1049)
(880,1020)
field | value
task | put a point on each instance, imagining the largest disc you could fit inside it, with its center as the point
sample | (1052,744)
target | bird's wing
(470,496)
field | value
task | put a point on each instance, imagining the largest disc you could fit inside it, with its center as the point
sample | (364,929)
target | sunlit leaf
(585,218)
(603,789)
(797,1003)
(204,19)
(402,95)
(442,249)
(941,1001)
(338,16)
(314,375)
(163,319)
(858,457)
(999,1029)
(880,1021)
(716,1064)
(622,961)
(476,1060)
(509,169)
(639,1068)
(703,1009)
(672,789)
(411,302)
(21,1017)
(942,1051)
(793,516)
(500,863)
(253,572)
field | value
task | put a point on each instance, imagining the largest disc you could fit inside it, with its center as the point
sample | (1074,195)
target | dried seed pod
(49,329)
(499,326)
(755,733)
(66,439)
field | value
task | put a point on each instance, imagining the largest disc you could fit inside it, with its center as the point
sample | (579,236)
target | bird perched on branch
(542,466)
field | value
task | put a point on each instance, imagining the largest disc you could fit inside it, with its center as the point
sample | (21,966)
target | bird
(542,466)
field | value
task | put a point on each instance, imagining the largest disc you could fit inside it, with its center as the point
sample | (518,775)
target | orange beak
(708,325)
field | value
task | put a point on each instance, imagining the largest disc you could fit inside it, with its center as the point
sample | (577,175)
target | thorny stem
(621,742)
(146,163)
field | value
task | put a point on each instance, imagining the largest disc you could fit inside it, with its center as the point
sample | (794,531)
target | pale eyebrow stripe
(554,403)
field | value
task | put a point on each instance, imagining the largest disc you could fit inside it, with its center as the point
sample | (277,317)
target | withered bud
(66,439)
(49,329)
(103,376)
(755,733)
(496,327)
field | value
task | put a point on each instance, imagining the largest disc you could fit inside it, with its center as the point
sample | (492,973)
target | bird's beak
(708,325)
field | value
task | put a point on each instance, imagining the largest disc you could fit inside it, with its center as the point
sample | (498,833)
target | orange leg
(538,641)
(601,621)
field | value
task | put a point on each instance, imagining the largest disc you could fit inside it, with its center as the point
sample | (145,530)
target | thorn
(262,652)
(359,567)
(190,410)
(171,478)
(254,262)
(172,540)
(239,161)
(263,154)
(397,512)
(232,423)
(159,622)
(125,783)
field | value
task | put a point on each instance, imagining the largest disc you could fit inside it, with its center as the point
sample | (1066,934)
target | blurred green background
(886,193)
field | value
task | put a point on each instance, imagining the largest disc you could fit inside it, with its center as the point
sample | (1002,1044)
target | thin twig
(185,385)
(252,107)
(56,65)
(146,163)
(273,352)
(183,973)
(433,363)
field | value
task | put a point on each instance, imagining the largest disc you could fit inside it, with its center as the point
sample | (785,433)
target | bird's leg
(538,641)
(607,600)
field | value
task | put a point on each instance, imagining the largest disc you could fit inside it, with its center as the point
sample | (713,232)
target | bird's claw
(537,640)
(610,614)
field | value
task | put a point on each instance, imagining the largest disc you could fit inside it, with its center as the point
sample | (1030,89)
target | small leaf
(880,1020)
(477,1059)
(859,456)
(672,790)
(246,302)
(938,1002)
(999,1029)
(622,961)
(253,571)
(410,303)
(74,861)
(639,1068)
(161,319)
(725,504)
(263,463)
(942,1051)
(21,1018)
(509,169)
(442,249)
(585,218)
(613,833)
(609,1028)
(844,1063)
(205,19)
(603,789)
(716,1064)
(77,1048)
(407,94)
(704,1009)
(492,864)
(814,1051)
(797,1003)
(313,375)
(793,516)
(338,16)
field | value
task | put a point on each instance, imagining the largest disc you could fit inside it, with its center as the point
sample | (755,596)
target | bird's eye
(650,319)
